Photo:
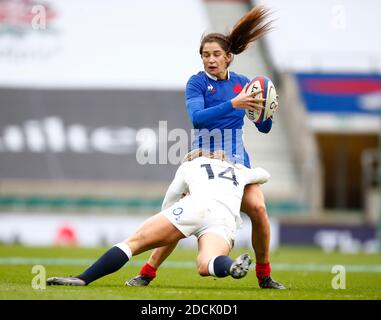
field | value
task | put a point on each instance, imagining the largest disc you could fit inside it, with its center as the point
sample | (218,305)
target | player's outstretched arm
(176,189)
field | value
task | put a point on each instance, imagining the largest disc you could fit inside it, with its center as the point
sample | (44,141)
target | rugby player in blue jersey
(216,100)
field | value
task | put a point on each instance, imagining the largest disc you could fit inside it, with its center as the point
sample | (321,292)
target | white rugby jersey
(212,179)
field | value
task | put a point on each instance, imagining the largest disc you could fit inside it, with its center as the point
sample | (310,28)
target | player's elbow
(197,121)
(197,124)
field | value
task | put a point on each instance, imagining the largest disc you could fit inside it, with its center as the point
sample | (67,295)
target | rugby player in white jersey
(211,212)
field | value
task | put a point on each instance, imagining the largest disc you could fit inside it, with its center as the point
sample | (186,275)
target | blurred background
(84,84)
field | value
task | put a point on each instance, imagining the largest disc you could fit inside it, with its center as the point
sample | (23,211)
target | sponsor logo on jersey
(177,212)
(211,88)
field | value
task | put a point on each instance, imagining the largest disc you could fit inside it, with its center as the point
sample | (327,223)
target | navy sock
(222,266)
(111,261)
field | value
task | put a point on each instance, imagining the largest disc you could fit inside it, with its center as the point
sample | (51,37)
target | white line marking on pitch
(186,264)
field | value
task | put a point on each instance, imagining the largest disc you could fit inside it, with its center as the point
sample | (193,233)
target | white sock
(125,248)
(211,267)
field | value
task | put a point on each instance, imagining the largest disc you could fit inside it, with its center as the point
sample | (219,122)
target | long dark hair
(249,28)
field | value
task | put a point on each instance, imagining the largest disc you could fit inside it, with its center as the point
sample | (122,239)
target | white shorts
(195,216)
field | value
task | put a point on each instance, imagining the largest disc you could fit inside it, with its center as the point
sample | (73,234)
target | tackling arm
(176,189)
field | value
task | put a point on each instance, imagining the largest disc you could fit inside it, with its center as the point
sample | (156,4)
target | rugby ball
(268,92)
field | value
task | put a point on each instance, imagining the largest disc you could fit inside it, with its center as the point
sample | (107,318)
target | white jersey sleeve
(177,187)
(257,175)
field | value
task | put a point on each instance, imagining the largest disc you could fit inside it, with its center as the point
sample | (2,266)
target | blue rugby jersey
(217,124)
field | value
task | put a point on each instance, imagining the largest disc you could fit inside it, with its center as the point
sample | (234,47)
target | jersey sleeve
(256,175)
(176,189)
(196,104)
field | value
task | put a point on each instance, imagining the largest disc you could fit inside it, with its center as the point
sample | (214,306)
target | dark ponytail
(249,28)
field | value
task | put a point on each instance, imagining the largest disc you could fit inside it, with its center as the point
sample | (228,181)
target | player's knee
(203,272)
(202,269)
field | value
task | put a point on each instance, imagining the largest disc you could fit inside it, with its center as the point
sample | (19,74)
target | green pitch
(306,272)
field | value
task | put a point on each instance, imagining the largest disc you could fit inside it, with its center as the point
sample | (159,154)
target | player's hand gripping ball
(268,92)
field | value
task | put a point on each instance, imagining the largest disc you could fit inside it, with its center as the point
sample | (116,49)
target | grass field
(306,272)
